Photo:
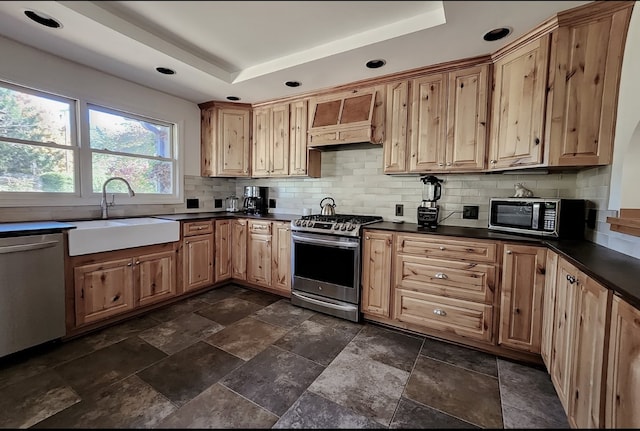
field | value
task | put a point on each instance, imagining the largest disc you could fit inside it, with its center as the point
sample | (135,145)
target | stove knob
(310,224)
(351,227)
(337,226)
(297,222)
(344,226)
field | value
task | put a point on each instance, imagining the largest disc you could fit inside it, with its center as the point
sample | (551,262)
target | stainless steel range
(325,262)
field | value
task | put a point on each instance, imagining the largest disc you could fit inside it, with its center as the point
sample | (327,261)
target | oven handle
(343,244)
(324,304)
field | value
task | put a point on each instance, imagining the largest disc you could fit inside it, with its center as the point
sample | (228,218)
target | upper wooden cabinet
(584,76)
(225,140)
(271,141)
(517,112)
(437,122)
(344,118)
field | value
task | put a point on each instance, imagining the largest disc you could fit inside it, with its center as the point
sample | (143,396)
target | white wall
(30,67)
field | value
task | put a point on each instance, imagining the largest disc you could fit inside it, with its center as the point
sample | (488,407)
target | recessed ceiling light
(374,64)
(233,98)
(292,84)
(166,71)
(43,19)
(496,34)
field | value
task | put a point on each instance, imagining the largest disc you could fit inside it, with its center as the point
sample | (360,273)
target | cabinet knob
(441,275)
(137,262)
(571,279)
(200,228)
(493,162)
(366,237)
(186,242)
(439,312)
(537,141)
(448,163)
(129,264)
(440,164)
(442,248)
(508,251)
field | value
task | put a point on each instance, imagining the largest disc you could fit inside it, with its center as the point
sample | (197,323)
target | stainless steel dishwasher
(31,291)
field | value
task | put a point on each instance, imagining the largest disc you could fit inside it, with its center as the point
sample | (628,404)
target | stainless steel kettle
(328,209)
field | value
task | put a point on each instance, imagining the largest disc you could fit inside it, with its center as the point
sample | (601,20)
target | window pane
(34,118)
(128,135)
(144,175)
(30,168)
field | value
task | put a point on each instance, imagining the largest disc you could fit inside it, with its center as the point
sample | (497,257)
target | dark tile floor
(239,358)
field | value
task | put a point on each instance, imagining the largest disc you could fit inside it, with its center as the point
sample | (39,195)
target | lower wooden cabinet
(623,370)
(376,272)
(109,284)
(197,255)
(281,257)
(239,249)
(523,281)
(223,242)
(259,253)
(548,307)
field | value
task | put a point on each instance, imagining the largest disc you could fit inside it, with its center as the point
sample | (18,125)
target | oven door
(326,265)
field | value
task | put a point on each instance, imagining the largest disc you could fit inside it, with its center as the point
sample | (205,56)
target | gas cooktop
(338,224)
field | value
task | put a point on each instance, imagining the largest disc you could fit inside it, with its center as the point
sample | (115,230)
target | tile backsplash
(354,179)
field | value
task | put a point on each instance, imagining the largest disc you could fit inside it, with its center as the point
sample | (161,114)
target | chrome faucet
(104,205)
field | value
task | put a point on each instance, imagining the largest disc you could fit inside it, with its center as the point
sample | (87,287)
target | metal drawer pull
(442,248)
(441,275)
(571,279)
(508,251)
(439,312)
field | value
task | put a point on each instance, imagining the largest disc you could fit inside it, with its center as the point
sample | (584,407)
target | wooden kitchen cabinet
(197,255)
(259,253)
(281,257)
(223,254)
(623,369)
(521,297)
(449,121)
(396,142)
(518,108)
(239,249)
(302,160)
(548,307)
(377,249)
(270,155)
(584,77)
(109,284)
(225,139)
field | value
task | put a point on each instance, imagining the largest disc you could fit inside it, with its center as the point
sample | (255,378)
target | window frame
(80,145)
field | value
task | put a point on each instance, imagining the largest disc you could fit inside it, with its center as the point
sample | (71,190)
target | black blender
(428,211)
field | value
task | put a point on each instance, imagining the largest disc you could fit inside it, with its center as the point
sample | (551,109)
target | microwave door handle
(535,221)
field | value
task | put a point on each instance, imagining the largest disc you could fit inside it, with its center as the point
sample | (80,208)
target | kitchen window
(59,151)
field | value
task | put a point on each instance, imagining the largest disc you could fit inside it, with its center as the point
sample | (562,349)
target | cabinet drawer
(463,280)
(262,227)
(428,246)
(197,228)
(463,318)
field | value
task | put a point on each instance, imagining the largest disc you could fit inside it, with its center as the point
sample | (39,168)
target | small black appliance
(429,211)
(256,200)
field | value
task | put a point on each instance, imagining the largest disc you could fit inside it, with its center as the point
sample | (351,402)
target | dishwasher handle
(27,247)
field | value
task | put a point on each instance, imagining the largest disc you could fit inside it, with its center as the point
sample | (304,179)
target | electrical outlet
(217,203)
(470,211)
(193,203)
(399,210)
(272,203)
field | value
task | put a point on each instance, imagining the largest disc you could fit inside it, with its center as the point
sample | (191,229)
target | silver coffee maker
(256,200)
(429,211)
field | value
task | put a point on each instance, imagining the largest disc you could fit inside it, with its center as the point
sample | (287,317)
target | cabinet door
(233,142)
(396,141)
(281,254)
(428,123)
(523,277)
(298,138)
(261,142)
(376,273)
(103,290)
(586,407)
(561,355)
(239,249)
(623,373)
(517,114)
(259,259)
(548,307)
(467,119)
(198,261)
(156,277)
(586,60)
(222,254)
(279,152)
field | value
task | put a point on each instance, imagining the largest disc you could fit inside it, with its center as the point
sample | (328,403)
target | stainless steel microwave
(556,218)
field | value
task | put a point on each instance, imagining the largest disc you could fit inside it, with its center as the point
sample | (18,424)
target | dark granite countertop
(225,214)
(32,228)
(614,270)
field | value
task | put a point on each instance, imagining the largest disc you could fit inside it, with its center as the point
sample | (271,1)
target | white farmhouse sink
(94,236)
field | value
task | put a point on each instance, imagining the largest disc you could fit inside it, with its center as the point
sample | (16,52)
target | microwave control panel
(549,221)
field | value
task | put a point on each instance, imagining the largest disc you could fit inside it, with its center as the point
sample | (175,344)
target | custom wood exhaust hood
(353,117)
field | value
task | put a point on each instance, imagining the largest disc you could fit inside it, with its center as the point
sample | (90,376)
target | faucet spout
(104,205)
